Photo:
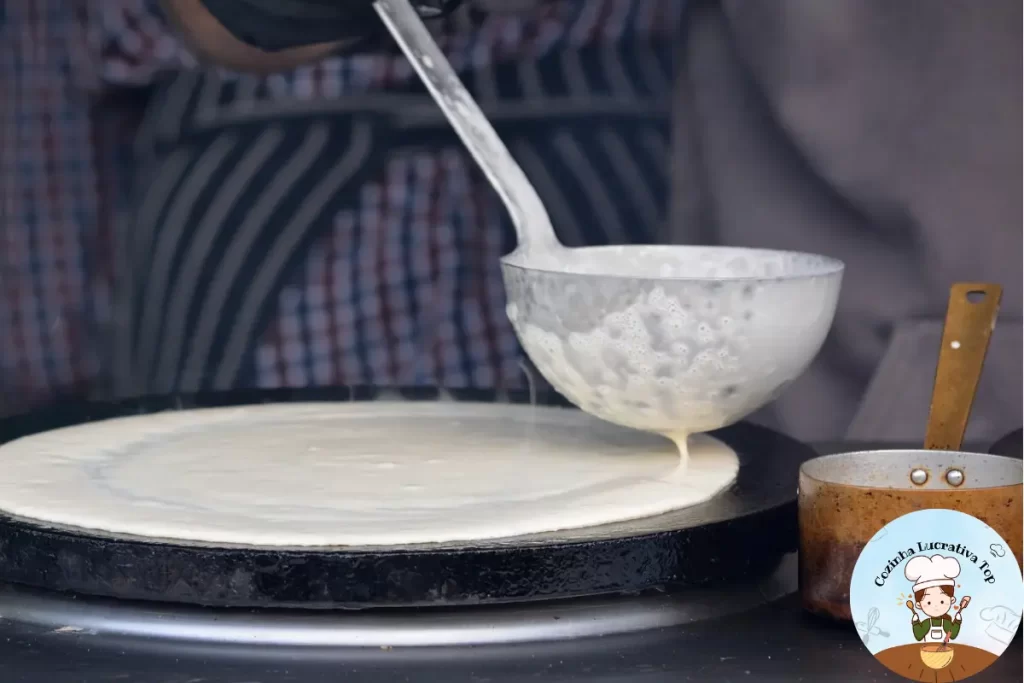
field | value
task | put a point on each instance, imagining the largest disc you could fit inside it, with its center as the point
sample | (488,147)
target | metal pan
(845,499)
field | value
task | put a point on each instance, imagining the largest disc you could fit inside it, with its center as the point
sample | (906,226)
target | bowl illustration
(937,656)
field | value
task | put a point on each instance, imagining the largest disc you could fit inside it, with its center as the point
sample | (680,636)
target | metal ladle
(668,339)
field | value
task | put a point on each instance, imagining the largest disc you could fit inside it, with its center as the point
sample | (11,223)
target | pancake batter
(354,474)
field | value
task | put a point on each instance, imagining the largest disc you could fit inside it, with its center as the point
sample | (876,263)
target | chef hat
(928,572)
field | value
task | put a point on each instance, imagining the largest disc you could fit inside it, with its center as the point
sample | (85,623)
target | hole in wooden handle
(976,296)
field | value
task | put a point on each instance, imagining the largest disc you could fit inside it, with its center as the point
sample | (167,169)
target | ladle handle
(530,218)
(970,318)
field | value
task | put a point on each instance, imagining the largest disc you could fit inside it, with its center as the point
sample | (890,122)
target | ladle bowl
(671,339)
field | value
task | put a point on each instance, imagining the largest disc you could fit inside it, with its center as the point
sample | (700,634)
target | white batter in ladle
(673,340)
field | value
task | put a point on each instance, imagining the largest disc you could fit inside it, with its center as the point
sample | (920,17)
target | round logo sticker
(936,595)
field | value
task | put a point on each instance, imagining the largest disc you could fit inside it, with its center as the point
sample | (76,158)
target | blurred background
(168,227)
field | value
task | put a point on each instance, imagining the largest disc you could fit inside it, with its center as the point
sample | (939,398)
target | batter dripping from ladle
(538,245)
(630,364)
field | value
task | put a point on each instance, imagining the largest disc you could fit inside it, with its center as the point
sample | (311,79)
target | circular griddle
(739,535)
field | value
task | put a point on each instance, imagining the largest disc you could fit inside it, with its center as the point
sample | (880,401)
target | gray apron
(886,134)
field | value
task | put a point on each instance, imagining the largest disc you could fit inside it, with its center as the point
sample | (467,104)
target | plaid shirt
(67,126)
(59,158)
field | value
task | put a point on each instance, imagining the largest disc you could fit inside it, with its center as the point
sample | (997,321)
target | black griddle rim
(62,558)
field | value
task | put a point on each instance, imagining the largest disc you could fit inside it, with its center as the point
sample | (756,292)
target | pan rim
(811,469)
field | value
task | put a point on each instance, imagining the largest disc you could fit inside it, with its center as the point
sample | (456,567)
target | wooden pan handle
(970,318)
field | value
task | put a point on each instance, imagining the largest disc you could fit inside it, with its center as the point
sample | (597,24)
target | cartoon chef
(934,580)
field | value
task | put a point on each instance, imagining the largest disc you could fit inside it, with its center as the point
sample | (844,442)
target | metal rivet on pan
(955,477)
(919,476)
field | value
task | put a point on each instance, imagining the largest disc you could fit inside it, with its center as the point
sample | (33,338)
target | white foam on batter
(629,381)
(354,474)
